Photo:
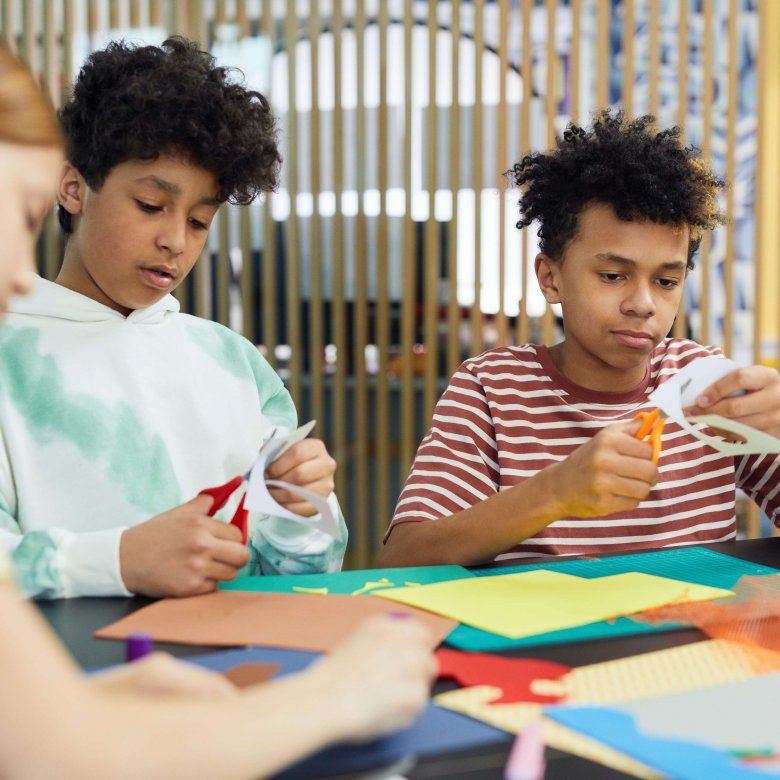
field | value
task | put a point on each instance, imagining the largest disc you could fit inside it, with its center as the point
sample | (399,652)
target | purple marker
(526,761)
(137,646)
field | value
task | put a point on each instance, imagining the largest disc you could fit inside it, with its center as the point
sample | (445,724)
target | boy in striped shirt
(532,449)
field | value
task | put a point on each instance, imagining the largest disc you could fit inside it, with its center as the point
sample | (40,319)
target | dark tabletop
(75,621)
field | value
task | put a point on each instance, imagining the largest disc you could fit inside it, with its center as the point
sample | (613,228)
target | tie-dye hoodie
(107,421)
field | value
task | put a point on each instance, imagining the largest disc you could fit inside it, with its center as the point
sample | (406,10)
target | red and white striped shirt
(509,413)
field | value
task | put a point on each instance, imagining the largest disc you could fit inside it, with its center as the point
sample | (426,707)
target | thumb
(202,503)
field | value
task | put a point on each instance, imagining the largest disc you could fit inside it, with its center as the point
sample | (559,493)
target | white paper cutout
(259,499)
(682,390)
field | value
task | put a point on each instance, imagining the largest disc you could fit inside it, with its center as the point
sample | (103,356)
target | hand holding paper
(714,377)
(750,396)
(306,472)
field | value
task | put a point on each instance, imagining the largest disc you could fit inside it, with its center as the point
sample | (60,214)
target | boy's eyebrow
(174,189)
(674,265)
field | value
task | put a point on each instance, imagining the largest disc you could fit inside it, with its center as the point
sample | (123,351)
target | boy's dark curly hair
(642,174)
(135,103)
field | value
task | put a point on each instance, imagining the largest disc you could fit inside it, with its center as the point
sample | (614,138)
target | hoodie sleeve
(56,562)
(279,545)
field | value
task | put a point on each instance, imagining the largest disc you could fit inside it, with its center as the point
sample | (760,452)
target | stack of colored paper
(528,603)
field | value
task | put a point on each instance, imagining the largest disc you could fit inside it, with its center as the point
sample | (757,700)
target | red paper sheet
(512,675)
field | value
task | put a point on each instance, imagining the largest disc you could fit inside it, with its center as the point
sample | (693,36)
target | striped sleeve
(759,477)
(456,465)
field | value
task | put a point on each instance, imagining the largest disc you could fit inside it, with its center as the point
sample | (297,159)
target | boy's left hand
(308,465)
(758,404)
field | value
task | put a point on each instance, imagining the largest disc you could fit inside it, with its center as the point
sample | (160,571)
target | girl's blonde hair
(26,112)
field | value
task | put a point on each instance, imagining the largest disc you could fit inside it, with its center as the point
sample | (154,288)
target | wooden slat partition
(292,257)
(382,509)
(628,57)
(681,324)
(523,321)
(453,307)
(501,165)
(316,313)
(432,254)
(706,149)
(378,277)
(339,405)
(362,509)
(269,312)
(477,176)
(409,434)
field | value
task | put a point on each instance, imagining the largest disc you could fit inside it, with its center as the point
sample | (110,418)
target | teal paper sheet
(346,582)
(692,564)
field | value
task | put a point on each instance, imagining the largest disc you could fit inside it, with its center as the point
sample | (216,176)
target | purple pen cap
(137,646)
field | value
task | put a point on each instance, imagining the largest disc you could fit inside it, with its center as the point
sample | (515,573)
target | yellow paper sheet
(527,603)
(661,672)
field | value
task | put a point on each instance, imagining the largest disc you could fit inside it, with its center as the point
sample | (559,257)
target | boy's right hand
(613,472)
(182,552)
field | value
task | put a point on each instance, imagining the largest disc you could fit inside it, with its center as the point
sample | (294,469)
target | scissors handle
(220,495)
(650,429)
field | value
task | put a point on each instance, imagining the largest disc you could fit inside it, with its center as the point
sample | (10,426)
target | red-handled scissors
(650,430)
(220,495)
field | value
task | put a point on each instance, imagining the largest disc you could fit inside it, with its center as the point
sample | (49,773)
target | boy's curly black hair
(137,102)
(641,173)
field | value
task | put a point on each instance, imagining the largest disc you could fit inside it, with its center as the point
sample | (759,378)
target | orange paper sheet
(296,621)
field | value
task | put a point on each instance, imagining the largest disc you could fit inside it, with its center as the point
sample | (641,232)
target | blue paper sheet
(690,735)
(437,730)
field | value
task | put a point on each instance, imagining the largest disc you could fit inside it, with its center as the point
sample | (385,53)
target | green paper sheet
(347,582)
(693,564)
(527,603)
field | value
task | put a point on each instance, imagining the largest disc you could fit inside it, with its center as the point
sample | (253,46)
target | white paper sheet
(259,499)
(682,390)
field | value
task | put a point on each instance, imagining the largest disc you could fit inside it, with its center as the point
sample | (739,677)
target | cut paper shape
(693,564)
(513,676)
(692,734)
(525,603)
(297,621)
(681,391)
(752,616)
(675,669)
(347,582)
(259,499)
(246,675)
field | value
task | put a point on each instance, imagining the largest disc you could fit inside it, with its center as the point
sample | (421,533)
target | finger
(747,379)
(231,554)
(302,451)
(302,508)
(626,487)
(284,495)
(224,531)
(201,504)
(737,407)
(309,472)
(630,447)
(220,572)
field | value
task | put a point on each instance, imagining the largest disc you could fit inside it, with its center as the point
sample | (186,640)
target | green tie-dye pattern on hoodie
(133,456)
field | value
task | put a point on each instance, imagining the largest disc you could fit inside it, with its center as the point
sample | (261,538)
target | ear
(548,276)
(71,190)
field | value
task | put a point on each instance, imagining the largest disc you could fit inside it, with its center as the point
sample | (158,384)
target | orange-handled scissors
(650,430)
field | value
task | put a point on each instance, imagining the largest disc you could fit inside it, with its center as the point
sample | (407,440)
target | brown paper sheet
(296,621)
